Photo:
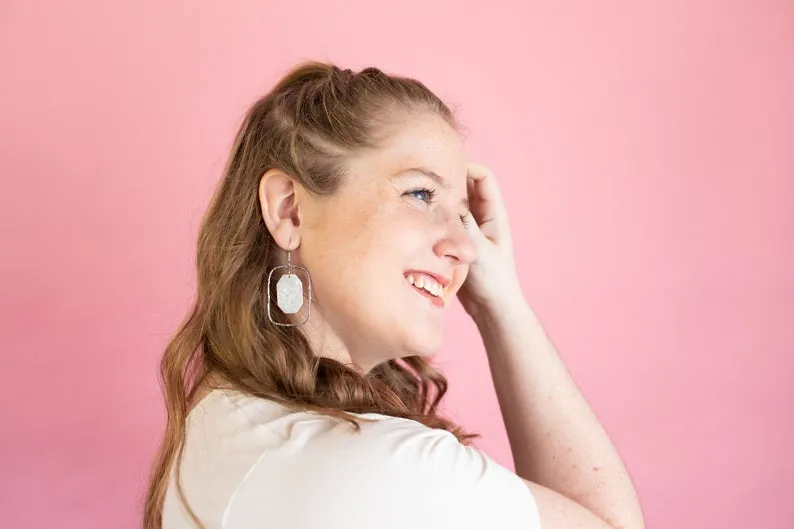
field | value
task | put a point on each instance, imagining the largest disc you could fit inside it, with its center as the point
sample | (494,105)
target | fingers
(484,179)
(475,233)
(486,203)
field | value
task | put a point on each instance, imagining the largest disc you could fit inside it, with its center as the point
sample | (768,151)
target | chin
(426,345)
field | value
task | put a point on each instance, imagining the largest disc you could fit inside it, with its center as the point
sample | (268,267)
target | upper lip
(441,279)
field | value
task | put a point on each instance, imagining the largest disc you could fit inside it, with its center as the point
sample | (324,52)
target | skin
(398,211)
(361,243)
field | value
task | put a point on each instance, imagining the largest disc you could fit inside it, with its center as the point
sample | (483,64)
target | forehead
(422,141)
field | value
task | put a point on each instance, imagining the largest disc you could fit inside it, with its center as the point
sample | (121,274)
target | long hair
(312,119)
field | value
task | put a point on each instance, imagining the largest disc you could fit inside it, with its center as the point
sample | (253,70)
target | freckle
(570,449)
(595,469)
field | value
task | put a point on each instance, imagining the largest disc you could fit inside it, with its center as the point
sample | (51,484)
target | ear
(277,198)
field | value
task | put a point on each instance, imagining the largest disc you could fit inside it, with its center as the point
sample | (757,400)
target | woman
(298,390)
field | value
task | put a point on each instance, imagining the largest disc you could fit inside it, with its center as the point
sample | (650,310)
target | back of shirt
(250,463)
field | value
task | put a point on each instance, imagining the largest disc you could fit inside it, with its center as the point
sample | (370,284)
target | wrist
(504,313)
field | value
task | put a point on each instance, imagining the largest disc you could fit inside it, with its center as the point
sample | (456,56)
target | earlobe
(277,200)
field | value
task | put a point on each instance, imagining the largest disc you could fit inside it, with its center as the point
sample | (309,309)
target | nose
(456,244)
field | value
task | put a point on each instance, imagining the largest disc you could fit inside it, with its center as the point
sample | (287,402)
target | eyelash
(431,199)
(431,195)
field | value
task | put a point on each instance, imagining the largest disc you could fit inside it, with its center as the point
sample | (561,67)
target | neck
(349,350)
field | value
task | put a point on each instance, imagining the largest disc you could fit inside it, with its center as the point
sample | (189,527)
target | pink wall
(646,153)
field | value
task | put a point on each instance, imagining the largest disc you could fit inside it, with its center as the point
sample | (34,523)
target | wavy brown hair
(314,118)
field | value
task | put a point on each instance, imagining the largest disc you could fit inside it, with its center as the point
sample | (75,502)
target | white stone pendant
(289,293)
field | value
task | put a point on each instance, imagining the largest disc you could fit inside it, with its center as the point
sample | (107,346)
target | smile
(428,286)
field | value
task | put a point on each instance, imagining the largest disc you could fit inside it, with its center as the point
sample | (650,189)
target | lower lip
(436,301)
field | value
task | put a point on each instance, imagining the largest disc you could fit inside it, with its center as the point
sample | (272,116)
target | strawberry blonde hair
(313,118)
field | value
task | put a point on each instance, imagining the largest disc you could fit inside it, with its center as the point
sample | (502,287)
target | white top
(250,463)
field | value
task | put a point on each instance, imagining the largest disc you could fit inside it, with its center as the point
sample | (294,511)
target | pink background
(646,156)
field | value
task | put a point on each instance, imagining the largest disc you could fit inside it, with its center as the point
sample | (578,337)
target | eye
(424,194)
(465,219)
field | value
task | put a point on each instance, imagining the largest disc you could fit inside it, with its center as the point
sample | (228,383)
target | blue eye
(424,194)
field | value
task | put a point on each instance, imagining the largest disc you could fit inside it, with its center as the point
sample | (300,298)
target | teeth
(426,283)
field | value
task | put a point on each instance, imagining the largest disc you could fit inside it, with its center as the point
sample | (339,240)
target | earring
(289,292)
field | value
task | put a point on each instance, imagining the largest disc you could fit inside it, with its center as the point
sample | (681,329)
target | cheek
(354,254)
(367,242)
(337,232)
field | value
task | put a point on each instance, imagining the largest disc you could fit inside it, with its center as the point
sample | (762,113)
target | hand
(492,279)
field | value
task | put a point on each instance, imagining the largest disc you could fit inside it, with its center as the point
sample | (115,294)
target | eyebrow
(437,178)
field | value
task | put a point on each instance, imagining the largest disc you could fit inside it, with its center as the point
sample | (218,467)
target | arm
(556,439)
(559,447)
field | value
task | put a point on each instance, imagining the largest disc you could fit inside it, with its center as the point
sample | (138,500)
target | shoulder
(391,467)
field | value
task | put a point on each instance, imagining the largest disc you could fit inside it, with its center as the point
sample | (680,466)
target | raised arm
(556,439)
(559,446)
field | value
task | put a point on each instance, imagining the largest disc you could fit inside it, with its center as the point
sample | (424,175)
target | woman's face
(388,252)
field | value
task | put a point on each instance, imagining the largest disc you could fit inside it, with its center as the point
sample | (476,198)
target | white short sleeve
(393,474)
